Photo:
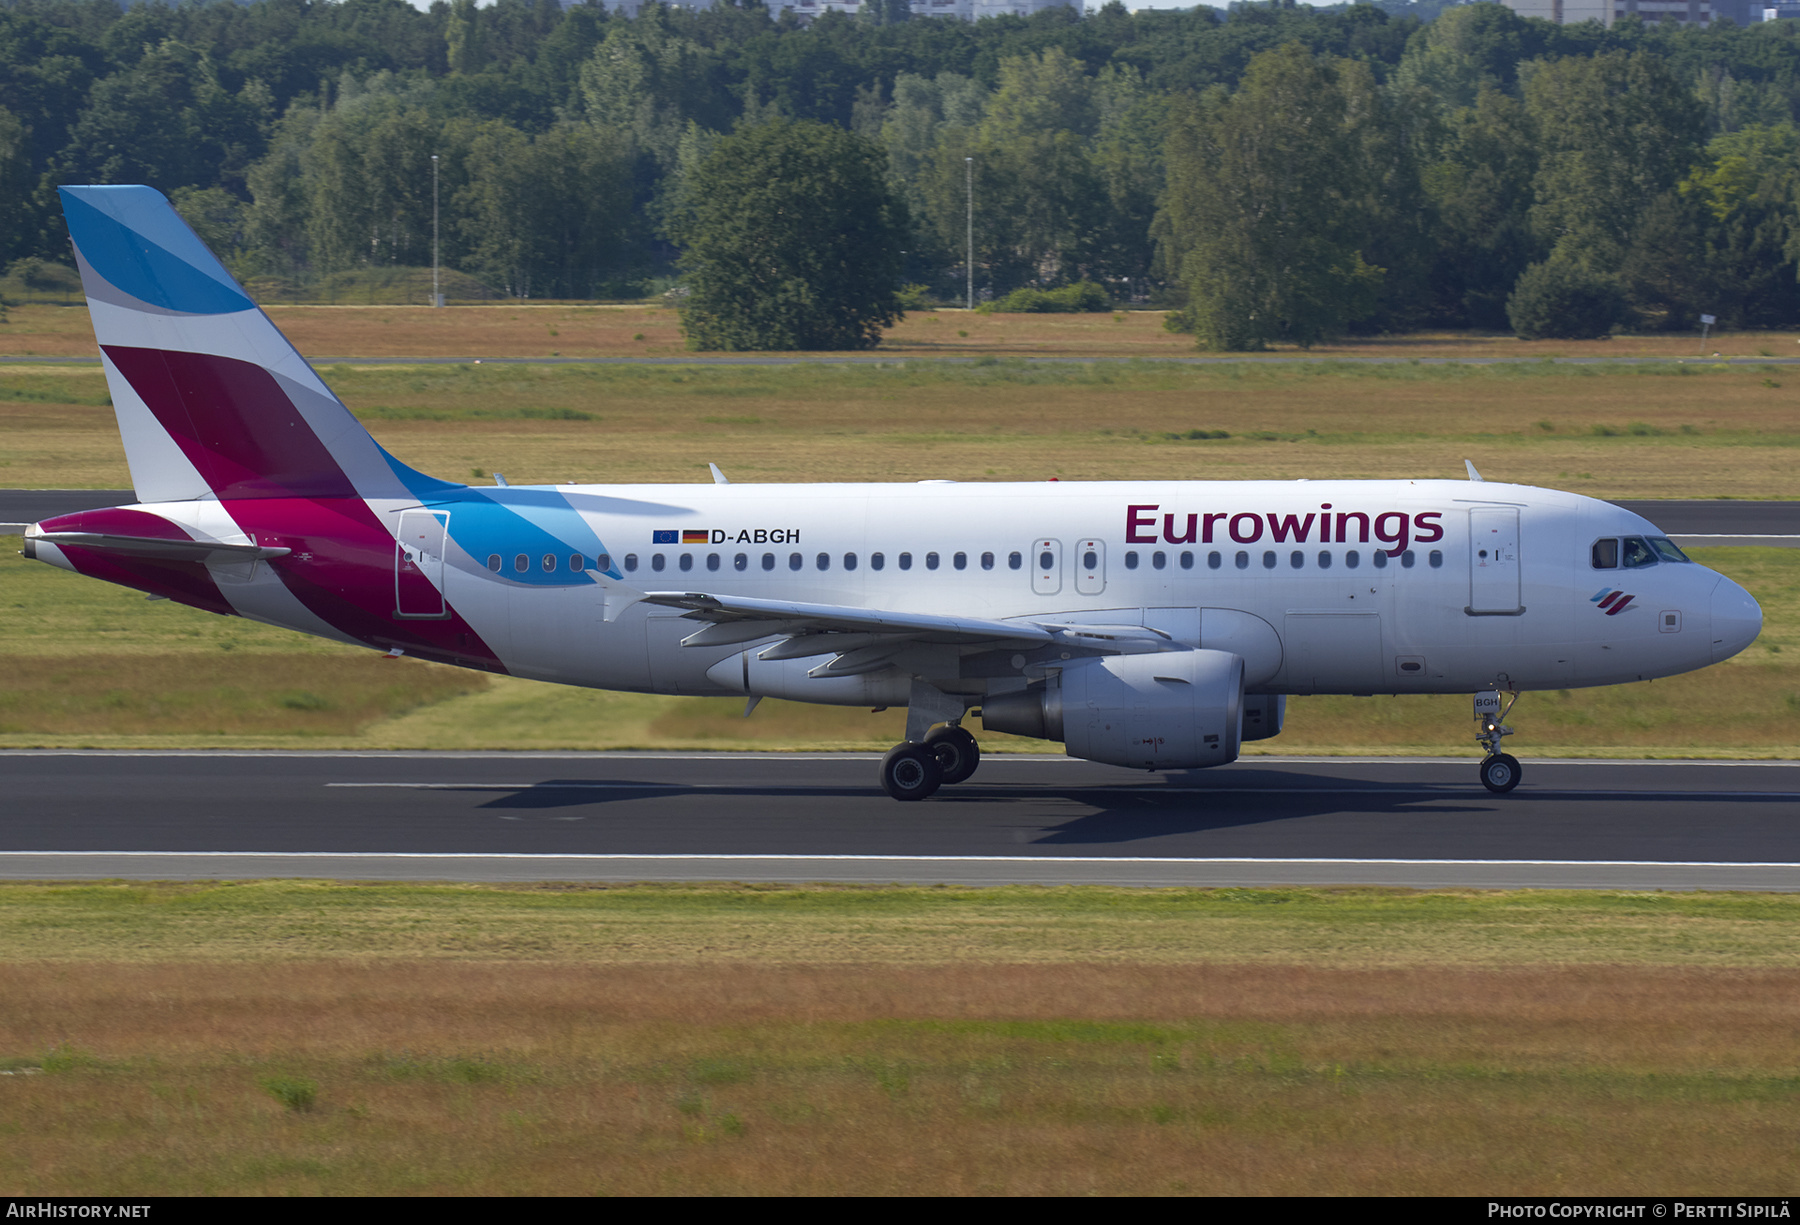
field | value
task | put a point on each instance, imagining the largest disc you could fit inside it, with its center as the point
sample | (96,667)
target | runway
(818,817)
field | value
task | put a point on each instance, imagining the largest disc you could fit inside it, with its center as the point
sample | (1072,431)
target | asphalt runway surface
(821,817)
(1694,523)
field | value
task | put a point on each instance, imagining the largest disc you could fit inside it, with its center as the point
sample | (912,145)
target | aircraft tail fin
(211,398)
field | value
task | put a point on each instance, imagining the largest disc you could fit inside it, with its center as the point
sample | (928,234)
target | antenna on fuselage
(1473,475)
(718,477)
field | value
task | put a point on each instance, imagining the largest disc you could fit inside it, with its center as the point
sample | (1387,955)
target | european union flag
(665,537)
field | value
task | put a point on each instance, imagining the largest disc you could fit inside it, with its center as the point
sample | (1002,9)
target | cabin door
(1494,561)
(419,564)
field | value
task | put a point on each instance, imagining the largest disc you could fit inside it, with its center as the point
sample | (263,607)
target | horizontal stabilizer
(161,549)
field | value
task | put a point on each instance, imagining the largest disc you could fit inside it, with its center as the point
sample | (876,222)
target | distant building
(1608,12)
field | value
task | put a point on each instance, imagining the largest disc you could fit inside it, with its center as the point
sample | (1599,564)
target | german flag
(695,536)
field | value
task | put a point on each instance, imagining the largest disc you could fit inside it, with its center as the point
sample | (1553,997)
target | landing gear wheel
(911,772)
(956,752)
(1500,773)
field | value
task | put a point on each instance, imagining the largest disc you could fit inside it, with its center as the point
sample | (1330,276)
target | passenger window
(1187,561)
(931,561)
(1046,561)
(849,561)
(656,562)
(823,561)
(1324,560)
(1381,559)
(1407,559)
(1606,554)
(1243,560)
(604,561)
(1015,560)
(494,562)
(1158,560)
(1352,560)
(1130,561)
(741,562)
(768,561)
(906,561)
(795,561)
(987,561)
(960,561)
(1435,559)
(1269,559)
(1296,559)
(687,561)
(577,562)
(521,563)
(712,561)
(630,561)
(1090,560)
(877,561)
(1637,553)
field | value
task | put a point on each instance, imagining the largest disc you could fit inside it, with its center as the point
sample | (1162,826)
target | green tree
(1614,133)
(1749,185)
(551,216)
(1264,219)
(1564,299)
(1479,188)
(793,241)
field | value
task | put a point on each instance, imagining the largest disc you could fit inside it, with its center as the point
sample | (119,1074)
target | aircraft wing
(768,617)
(865,638)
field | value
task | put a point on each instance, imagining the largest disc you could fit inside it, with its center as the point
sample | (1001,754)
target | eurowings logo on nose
(1613,602)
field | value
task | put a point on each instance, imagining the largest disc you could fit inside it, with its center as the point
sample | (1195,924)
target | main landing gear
(913,771)
(1500,772)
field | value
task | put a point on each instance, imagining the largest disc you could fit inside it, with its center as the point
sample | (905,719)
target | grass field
(643,330)
(291,1038)
(1652,430)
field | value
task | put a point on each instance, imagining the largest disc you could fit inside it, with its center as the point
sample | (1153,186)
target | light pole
(969,165)
(437,299)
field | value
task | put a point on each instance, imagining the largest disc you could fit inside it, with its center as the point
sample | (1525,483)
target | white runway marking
(1101,860)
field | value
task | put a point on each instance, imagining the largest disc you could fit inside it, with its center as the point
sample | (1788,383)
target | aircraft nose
(1736,619)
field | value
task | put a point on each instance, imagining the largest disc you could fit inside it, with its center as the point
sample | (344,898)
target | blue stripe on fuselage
(513,520)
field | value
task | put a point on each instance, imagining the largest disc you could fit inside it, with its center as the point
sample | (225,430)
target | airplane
(1157,625)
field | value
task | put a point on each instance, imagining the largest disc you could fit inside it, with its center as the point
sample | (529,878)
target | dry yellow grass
(572,330)
(413,1078)
(1607,432)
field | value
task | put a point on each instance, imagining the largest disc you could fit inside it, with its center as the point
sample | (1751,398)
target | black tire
(911,772)
(1501,773)
(957,752)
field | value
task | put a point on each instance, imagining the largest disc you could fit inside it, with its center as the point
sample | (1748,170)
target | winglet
(1473,475)
(718,477)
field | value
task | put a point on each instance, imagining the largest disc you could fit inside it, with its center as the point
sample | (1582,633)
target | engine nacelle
(1173,710)
(1263,714)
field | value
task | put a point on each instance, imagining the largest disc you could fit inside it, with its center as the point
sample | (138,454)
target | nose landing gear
(1500,772)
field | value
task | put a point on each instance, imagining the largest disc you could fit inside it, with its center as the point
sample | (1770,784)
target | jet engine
(1172,710)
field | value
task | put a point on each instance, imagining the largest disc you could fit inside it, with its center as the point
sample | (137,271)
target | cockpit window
(1636,552)
(1667,549)
(1606,554)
